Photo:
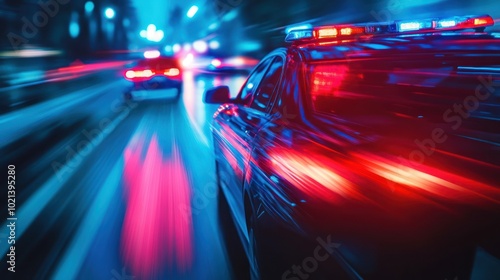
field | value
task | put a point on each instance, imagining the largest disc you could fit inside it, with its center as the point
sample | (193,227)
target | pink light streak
(157,230)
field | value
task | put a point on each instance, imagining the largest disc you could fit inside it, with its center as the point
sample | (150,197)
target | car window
(249,88)
(423,85)
(264,92)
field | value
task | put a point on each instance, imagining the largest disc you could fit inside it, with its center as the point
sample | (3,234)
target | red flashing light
(352,30)
(346,31)
(484,21)
(326,33)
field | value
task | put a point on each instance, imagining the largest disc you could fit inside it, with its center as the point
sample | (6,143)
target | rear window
(403,85)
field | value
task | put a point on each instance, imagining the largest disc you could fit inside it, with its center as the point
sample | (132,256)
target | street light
(89,7)
(109,13)
(192,11)
(74,27)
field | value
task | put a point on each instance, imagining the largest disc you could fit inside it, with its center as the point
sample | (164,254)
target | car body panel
(234,129)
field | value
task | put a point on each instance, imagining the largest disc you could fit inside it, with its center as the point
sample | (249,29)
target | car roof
(156,61)
(391,45)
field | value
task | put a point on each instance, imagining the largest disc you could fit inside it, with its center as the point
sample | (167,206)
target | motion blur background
(85,28)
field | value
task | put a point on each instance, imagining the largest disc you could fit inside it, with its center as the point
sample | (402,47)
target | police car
(367,151)
(153,76)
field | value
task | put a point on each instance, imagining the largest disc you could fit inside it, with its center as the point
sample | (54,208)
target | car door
(238,126)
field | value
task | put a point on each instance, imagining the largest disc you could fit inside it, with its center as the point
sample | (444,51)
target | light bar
(327,32)
(401,27)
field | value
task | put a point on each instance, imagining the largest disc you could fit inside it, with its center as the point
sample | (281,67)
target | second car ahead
(149,76)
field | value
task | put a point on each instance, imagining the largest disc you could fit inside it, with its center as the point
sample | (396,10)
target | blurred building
(78,27)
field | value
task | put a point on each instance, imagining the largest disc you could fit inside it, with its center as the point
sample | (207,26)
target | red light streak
(157,229)
(315,175)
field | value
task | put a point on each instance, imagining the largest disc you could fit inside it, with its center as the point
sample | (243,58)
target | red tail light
(138,75)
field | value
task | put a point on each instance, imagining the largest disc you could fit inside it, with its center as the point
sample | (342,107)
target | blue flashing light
(109,13)
(295,35)
(446,23)
(298,27)
(403,26)
(408,26)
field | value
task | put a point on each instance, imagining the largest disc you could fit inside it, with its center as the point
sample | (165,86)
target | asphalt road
(109,189)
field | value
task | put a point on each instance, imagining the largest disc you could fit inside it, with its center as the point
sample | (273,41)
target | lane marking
(76,254)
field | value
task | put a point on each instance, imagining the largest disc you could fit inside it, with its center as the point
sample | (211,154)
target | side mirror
(218,95)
